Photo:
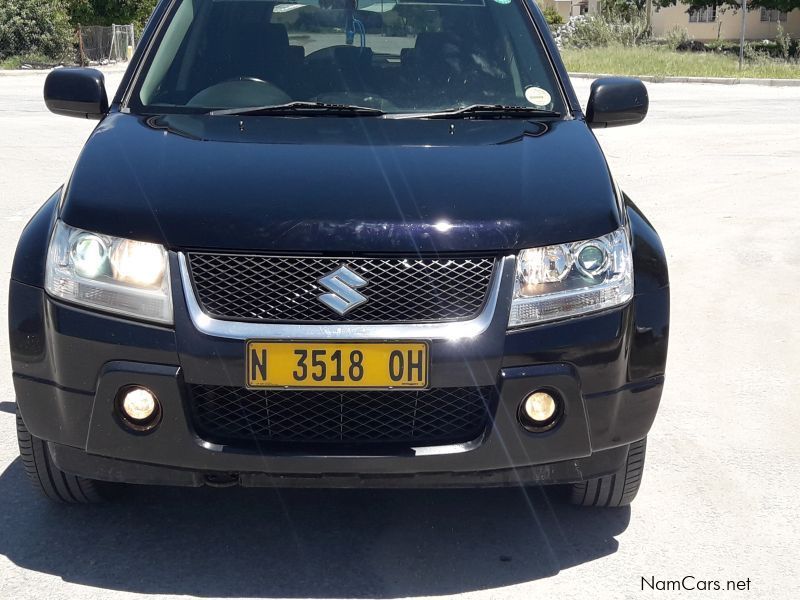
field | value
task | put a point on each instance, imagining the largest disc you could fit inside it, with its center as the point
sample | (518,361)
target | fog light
(539,410)
(139,408)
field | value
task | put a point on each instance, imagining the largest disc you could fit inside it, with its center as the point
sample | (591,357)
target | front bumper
(69,364)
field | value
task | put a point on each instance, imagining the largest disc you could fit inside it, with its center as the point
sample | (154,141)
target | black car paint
(491,182)
(71,96)
(617,101)
(617,359)
(390,185)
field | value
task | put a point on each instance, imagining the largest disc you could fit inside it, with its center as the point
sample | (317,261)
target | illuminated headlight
(566,280)
(107,273)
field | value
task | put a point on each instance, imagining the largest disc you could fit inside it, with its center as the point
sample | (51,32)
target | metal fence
(106,44)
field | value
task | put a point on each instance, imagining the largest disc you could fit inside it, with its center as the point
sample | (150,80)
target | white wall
(727,25)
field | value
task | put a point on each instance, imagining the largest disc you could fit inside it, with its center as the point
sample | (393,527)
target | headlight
(554,282)
(108,273)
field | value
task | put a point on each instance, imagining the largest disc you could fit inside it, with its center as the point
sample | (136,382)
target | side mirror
(76,93)
(616,101)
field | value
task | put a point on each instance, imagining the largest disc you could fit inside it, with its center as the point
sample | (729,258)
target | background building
(711,23)
(572,8)
(725,22)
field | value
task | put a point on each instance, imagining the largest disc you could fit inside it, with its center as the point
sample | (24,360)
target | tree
(38,27)
(108,12)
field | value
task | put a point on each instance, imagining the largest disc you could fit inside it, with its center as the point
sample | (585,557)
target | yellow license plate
(375,365)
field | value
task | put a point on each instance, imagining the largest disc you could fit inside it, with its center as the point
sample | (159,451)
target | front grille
(285,289)
(236,415)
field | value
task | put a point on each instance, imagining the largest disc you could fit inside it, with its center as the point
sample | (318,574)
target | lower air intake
(236,415)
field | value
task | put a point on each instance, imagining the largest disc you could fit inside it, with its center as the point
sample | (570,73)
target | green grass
(15,62)
(661,62)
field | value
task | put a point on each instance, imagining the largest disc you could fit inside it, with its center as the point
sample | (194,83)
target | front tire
(617,489)
(46,477)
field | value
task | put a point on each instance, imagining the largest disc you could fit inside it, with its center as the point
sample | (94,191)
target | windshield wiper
(483,111)
(303,108)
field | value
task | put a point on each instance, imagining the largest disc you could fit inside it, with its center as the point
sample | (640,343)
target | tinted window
(396,56)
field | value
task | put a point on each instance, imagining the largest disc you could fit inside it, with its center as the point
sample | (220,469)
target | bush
(38,27)
(599,31)
(551,16)
(691,46)
(722,47)
(794,48)
(677,36)
(759,50)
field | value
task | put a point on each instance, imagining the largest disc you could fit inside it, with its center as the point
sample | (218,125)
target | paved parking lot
(716,169)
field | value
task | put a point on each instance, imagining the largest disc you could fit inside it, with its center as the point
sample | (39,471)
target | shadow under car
(303,543)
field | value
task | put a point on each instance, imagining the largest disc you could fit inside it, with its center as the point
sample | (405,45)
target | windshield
(397,57)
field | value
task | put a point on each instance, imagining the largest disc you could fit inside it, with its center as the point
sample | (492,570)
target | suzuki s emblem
(342,284)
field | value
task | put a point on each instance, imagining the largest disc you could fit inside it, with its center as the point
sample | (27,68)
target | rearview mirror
(616,101)
(76,93)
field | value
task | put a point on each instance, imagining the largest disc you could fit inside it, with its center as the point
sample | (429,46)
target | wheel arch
(30,257)
(651,302)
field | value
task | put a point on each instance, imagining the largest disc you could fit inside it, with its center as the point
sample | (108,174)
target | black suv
(340,244)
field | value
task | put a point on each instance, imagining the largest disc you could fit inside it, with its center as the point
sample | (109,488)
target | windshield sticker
(537,96)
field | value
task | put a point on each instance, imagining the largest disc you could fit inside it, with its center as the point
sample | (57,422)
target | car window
(400,56)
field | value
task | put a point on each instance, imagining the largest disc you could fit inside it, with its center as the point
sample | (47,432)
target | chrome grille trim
(243,330)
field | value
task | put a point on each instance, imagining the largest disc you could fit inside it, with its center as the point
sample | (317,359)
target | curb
(716,80)
(22,72)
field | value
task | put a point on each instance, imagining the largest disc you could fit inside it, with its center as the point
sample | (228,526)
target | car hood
(326,184)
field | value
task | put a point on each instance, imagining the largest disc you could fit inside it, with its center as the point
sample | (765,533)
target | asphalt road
(716,169)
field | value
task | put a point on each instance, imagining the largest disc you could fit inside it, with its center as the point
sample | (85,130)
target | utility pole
(649,9)
(741,38)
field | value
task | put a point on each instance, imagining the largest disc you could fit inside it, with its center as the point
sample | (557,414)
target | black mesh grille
(437,416)
(285,289)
